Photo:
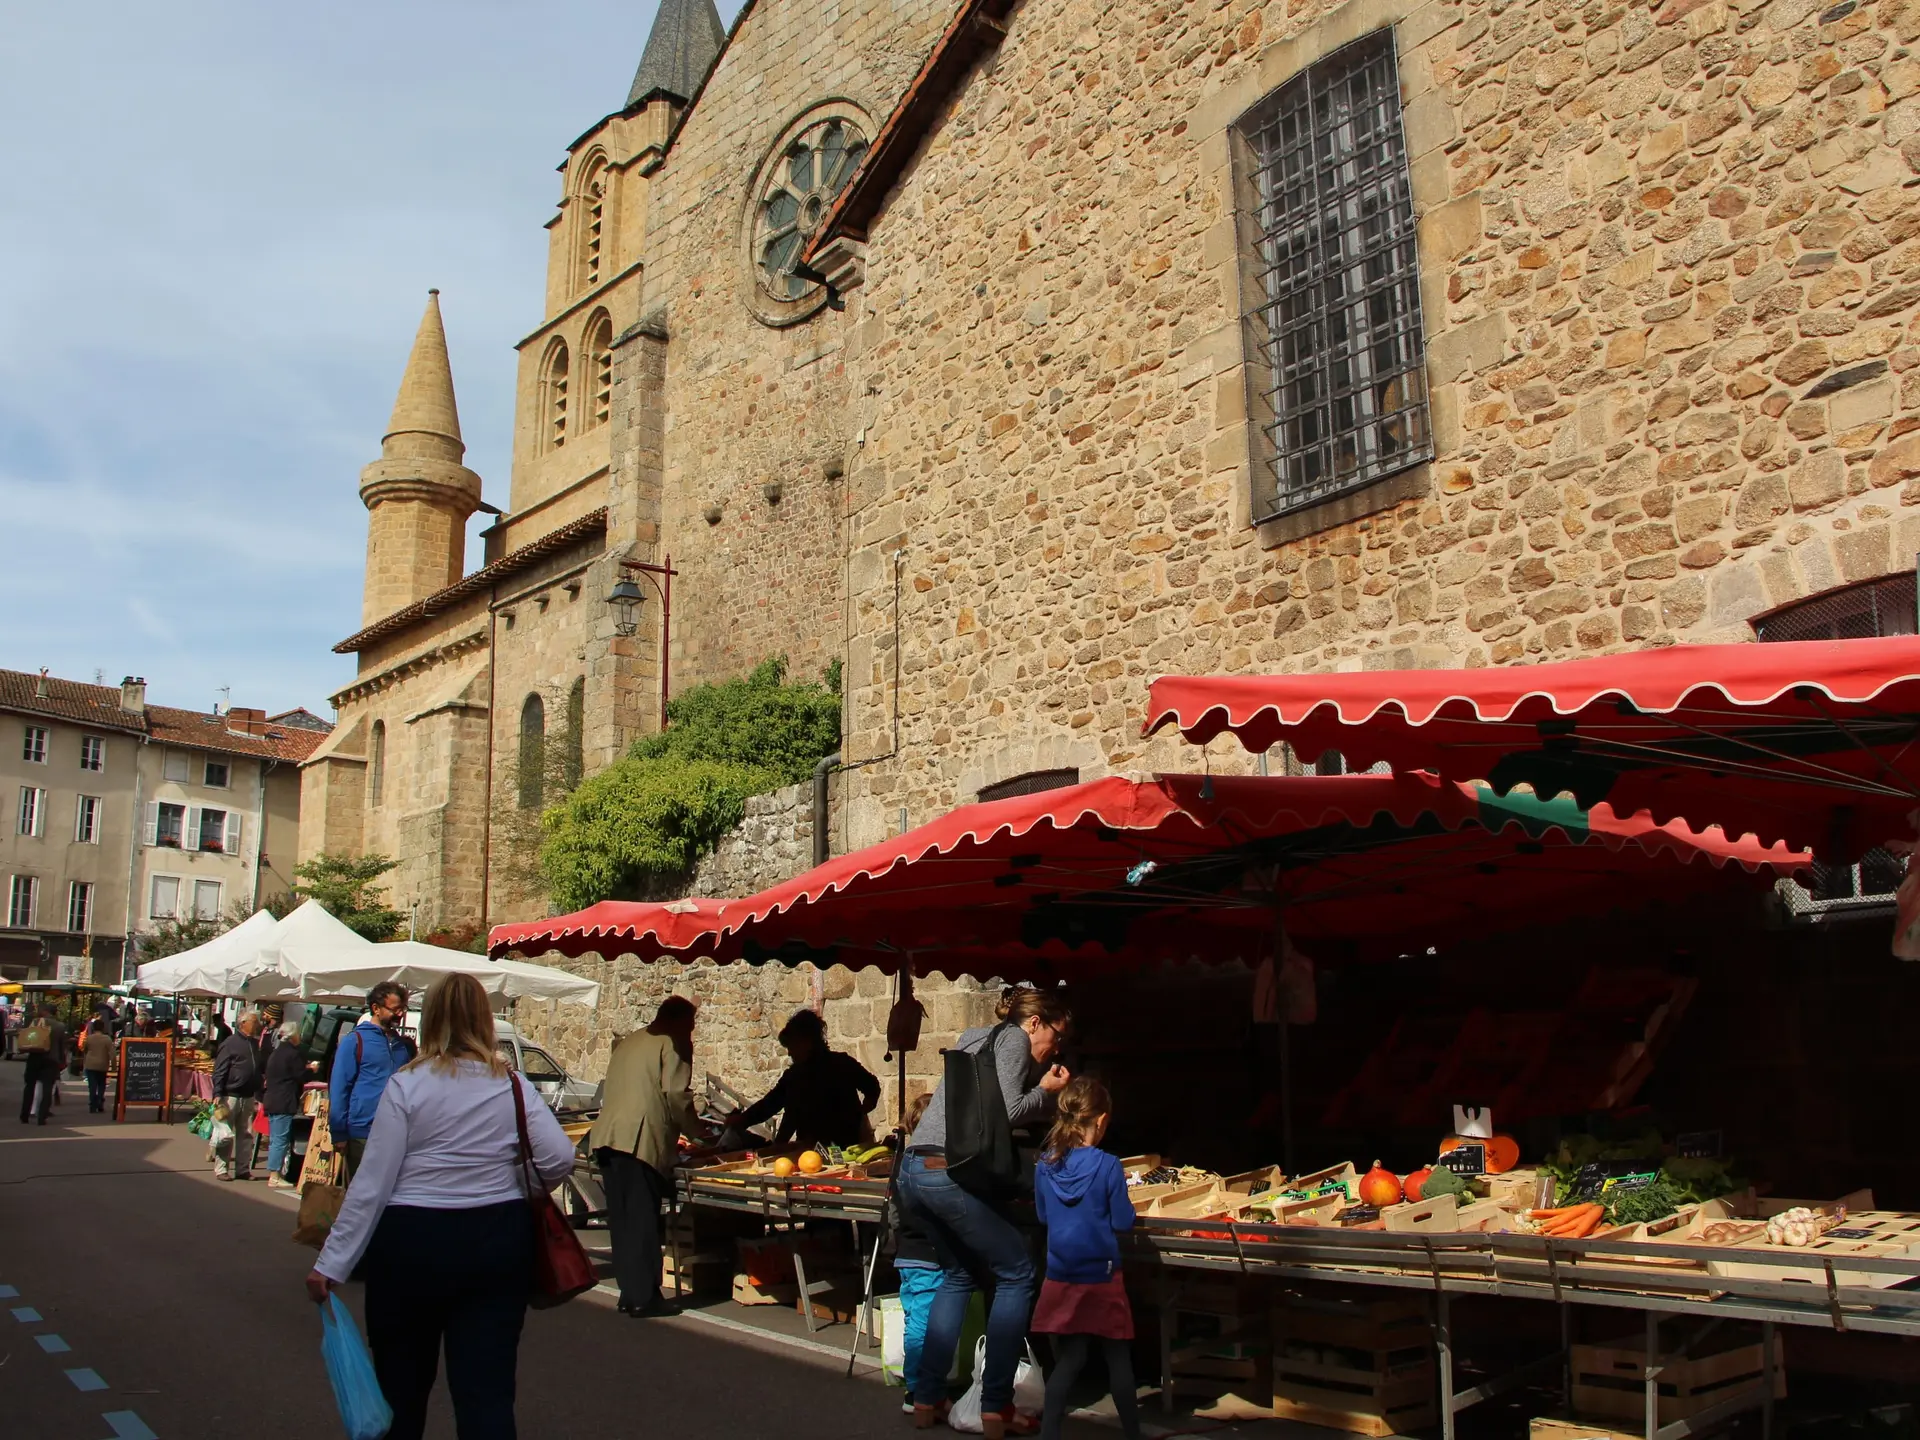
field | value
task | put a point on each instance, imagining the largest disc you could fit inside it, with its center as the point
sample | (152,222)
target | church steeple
(686,39)
(418,493)
(426,420)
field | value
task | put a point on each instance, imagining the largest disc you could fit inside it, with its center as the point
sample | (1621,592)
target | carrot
(1575,1222)
(1589,1223)
(1549,1214)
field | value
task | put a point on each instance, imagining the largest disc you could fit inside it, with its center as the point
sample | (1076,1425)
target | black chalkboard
(146,1075)
(1469,1157)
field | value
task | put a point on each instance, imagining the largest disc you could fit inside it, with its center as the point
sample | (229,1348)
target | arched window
(593,216)
(576,732)
(1881,606)
(533,753)
(599,348)
(553,397)
(377,763)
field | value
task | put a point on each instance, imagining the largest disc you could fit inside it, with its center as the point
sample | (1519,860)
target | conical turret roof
(687,36)
(426,421)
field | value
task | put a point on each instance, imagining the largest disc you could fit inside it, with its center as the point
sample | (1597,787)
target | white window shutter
(151,834)
(39,812)
(232,838)
(191,840)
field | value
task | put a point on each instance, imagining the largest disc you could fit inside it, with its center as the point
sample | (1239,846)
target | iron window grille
(1032,783)
(1335,289)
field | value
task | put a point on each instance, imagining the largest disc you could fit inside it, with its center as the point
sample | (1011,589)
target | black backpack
(981,1156)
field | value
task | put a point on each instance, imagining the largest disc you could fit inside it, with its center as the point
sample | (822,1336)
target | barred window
(1335,298)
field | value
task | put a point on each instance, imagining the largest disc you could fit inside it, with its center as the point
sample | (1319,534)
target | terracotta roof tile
(99,706)
(67,700)
(200,731)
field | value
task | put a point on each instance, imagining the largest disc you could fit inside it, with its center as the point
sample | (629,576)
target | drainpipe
(821,768)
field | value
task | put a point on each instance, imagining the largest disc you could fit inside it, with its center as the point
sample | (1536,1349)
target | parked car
(563,1093)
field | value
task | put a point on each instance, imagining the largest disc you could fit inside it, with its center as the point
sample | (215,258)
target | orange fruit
(811,1163)
(782,1168)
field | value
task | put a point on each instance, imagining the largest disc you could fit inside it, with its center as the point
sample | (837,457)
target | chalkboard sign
(146,1076)
(1469,1157)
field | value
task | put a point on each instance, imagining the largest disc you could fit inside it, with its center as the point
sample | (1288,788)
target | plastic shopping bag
(965,1414)
(1029,1386)
(893,1340)
(356,1390)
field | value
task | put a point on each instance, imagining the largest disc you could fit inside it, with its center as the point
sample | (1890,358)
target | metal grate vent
(1854,612)
(1032,783)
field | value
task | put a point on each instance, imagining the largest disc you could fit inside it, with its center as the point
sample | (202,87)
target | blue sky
(221,221)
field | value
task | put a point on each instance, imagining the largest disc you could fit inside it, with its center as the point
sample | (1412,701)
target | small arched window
(533,753)
(377,764)
(553,397)
(599,350)
(593,220)
(576,732)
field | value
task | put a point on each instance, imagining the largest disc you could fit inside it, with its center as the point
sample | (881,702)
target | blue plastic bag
(356,1390)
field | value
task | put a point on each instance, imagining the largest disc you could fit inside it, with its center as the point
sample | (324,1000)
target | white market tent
(324,971)
(206,969)
(225,963)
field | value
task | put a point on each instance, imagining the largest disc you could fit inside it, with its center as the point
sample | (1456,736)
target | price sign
(146,1076)
(1469,1157)
(1604,1175)
(1701,1145)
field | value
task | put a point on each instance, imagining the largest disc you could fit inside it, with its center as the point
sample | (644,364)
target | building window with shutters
(33,810)
(34,750)
(216,829)
(166,824)
(1332,309)
(86,820)
(93,753)
(377,764)
(553,397)
(20,902)
(206,899)
(177,766)
(576,758)
(163,898)
(599,349)
(79,907)
(593,221)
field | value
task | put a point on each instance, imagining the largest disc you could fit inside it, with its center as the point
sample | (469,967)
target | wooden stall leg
(1166,1342)
(1766,1380)
(1566,1356)
(1443,1346)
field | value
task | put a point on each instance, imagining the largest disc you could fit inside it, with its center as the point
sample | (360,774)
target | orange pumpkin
(1412,1186)
(1503,1151)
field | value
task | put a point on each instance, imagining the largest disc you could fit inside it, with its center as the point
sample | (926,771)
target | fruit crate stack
(1215,1337)
(1609,1383)
(1365,1366)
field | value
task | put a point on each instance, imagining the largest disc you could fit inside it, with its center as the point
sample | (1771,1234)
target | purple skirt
(1069,1309)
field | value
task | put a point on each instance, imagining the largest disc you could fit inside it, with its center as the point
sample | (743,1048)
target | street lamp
(626,599)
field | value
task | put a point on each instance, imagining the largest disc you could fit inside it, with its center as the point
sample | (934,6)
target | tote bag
(561,1269)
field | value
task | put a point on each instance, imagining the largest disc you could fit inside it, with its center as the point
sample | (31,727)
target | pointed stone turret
(418,492)
(686,38)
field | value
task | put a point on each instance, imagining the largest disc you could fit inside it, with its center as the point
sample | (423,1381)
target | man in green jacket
(646,1108)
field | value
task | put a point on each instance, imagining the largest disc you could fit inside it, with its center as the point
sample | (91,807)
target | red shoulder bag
(561,1269)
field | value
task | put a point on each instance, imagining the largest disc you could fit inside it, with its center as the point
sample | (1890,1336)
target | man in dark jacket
(236,1085)
(825,1096)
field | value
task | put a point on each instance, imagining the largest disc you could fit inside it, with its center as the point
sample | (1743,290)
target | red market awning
(1178,868)
(1812,742)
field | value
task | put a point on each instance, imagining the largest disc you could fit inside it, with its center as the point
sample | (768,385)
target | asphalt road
(140,1297)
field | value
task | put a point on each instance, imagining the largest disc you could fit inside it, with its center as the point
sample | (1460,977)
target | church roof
(593,523)
(686,39)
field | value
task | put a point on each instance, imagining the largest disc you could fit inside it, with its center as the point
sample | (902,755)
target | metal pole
(1651,1375)
(1286,1096)
(666,635)
(1766,1380)
(1443,1344)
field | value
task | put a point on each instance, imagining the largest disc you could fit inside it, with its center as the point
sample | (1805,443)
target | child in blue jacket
(1080,1192)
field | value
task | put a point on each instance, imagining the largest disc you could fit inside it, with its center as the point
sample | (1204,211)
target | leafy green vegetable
(1442,1182)
(1641,1204)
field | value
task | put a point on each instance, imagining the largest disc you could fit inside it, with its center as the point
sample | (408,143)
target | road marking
(7,1292)
(128,1426)
(86,1380)
(26,1315)
(53,1344)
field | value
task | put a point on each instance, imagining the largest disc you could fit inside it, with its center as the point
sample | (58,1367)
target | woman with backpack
(965,1213)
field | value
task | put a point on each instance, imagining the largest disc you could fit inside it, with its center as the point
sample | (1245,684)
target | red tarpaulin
(1181,867)
(1812,742)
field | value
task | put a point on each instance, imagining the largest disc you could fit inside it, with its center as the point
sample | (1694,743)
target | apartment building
(125,815)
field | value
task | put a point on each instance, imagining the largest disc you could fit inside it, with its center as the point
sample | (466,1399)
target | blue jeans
(918,1285)
(279,1141)
(979,1247)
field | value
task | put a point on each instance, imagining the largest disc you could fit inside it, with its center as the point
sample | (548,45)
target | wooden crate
(1559,1427)
(1219,1343)
(1608,1384)
(1393,1395)
(1890,1236)
(1324,1318)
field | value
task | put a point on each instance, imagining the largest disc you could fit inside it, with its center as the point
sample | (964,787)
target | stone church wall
(1668,261)
(749,405)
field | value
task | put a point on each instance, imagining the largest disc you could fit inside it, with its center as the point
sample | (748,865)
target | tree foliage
(170,937)
(647,818)
(758,721)
(346,888)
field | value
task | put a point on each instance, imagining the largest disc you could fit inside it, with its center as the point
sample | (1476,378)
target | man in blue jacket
(363,1062)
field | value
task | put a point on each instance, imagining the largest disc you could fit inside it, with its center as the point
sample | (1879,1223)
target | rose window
(799,192)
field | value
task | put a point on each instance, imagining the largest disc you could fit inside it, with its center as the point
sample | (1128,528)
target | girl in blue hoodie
(1080,1192)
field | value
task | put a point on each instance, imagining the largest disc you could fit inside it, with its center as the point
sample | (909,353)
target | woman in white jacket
(439,1210)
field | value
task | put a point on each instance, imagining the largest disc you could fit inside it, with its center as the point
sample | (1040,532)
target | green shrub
(758,721)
